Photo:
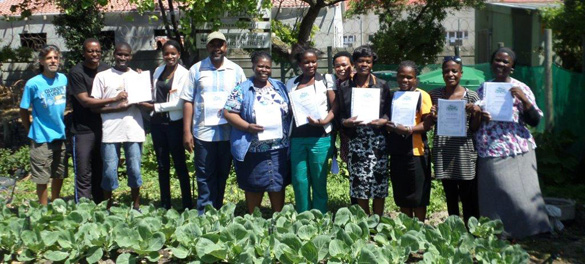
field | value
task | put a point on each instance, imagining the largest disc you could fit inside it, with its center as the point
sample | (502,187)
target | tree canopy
(410,29)
(566,21)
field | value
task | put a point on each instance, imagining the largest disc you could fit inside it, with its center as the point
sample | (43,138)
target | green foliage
(71,233)
(10,160)
(419,36)
(78,21)
(557,159)
(569,34)
(195,13)
(20,54)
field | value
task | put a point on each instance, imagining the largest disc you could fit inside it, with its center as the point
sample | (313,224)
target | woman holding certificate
(313,104)
(363,104)
(508,186)
(454,155)
(258,111)
(410,167)
(167,123)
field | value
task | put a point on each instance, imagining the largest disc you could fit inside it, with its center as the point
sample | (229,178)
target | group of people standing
(214,110)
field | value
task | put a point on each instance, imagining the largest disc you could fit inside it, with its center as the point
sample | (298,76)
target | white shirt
(321,87)
(125,126)
(174,105)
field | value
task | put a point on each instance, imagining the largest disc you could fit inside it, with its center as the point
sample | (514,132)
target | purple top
(503,139)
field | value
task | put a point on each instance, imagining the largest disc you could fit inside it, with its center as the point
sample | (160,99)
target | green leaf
(342,216)
(292,241)
(233,232)
(208,251)
(55,255)
(338,248)
(367,256)
(307,232)
(321,242)
(126,258)
(179,252)
(353,230)
(156,242)
(49,237)
(188,233)
(94,254)
(26,255)
(310,252)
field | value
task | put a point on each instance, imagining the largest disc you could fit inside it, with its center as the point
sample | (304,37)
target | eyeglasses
(456,59)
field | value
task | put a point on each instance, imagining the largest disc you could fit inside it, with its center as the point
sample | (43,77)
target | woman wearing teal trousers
(311,145)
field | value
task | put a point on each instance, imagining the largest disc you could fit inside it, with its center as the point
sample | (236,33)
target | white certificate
(304,106)
(213,103)
(499,102)
(365,104)
(451,118)
(269,117)
(404,107)
(138,87)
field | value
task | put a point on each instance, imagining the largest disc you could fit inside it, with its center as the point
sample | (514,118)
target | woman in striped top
(454,158)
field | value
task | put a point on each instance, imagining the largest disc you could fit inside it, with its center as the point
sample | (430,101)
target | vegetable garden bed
(66,232)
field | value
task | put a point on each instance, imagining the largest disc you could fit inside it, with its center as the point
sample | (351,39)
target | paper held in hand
(138,87)
(499,102)
(451,118)
(404,107)
(304,106)
(269,117)
(213,103)
(365,104)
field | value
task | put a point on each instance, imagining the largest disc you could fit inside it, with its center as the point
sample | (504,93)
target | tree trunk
(307,24)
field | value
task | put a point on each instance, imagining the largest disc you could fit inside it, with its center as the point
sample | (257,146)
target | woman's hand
(434,113)
(254,128)
(317,122)
(518,93)
(351,122)
(398,129)
(378,122)
(485,116)
(472,109)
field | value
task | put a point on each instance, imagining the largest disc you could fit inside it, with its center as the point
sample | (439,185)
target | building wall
(358,31)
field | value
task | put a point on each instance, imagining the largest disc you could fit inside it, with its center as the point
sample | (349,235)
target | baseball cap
(215,35)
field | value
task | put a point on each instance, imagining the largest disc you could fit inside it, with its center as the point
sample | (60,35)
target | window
(456,35)
(107,39)
(455,38)
(348,41)
(35,41)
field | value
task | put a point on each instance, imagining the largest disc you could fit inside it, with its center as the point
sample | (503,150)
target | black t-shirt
(80,80)
(162,89)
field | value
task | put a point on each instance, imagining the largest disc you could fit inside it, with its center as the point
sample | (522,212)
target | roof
(47,7)
(528,4)
(289,3)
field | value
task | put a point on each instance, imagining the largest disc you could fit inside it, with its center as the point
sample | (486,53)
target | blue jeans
(111,156)
(213,162)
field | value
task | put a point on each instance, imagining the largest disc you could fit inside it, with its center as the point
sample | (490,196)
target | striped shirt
(204,77)
(454,158)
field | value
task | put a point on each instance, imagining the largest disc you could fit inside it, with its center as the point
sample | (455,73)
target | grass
(337,187)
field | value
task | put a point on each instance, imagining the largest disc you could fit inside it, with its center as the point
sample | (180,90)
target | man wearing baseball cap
(207,132)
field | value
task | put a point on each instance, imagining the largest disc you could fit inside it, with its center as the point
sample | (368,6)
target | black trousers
(464,191)
(87,164)
(168,140)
